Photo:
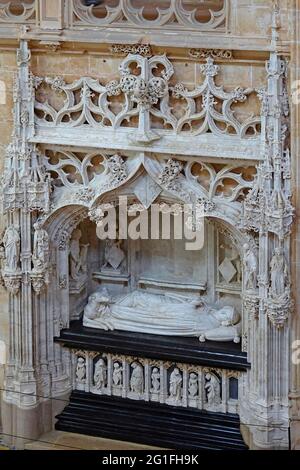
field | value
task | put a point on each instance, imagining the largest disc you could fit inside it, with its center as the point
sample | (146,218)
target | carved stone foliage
(213,53)
(125,49)
(171,14)
(251,305)
(12,11)
(141,96)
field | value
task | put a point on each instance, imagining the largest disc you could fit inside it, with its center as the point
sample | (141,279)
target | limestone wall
(8,67)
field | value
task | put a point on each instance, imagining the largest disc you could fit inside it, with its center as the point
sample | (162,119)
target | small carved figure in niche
(193,385)
(175,384)
(113,255)
(81,370)
(137,378)
(155,380)
(100,374)
(117,375)
(279,273)
(40,256)
(11,242)
(77,256)
(213,389)
(250,268)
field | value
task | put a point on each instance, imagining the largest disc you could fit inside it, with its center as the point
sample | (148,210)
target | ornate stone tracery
(174,14)
(207,108)
(23,11)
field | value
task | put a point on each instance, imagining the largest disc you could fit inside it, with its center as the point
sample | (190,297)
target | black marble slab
(150,423)
(177,349)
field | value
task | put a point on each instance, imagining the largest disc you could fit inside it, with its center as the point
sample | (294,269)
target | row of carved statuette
(10,259)
(164,382)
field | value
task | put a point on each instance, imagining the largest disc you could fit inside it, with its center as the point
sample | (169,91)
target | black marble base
(177,349)
(150,423)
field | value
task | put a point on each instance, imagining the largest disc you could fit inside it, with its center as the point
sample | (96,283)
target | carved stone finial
(276,22)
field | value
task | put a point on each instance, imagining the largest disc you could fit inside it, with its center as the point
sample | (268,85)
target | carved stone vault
(75,145)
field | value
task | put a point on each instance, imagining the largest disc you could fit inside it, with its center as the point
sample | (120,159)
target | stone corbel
(39,281)
(251,305)
(279,309)
(12,282)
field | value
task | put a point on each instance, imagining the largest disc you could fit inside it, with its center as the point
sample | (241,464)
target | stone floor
(2,447)
(57,440)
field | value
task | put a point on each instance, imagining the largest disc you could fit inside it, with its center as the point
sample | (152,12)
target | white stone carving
(155,380)
(140,49)
(137,378)
(250,268)
(193,385)
(213,53)
(113,256)
(267,210)
(209,117)
(11,241)
(117,170)
(145,95)
(77,256)
(213,389)
(83,172)
(268,205)
(170,175)
(40,257)
(12,282)
(117,375)
(144,312)
(100,374)
(126,13)
(279,303)
(146,190)
(175,387)
(170,384)
(195,171)
(251,305)
(279,274)
(81,370)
